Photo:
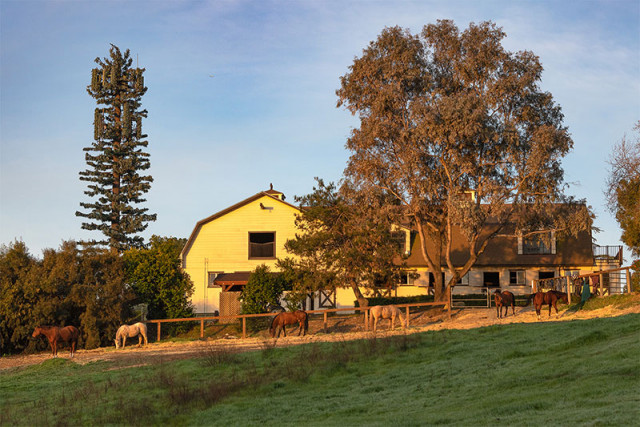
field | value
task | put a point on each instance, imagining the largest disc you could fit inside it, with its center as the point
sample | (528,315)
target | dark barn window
(546,274)
(491,279)
(262,245)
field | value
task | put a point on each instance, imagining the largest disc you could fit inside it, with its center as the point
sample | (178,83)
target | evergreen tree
(117,154)
(155,276)
(263,289)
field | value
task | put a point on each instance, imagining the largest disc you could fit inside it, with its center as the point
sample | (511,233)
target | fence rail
(244,317)
(482,300)
(613,281)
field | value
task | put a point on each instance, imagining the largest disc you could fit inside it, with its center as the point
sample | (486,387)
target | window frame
(211,278)
(409,280)
(534,244)
(517,272)
(249,243)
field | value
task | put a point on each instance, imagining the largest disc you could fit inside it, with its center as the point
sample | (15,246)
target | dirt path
(341,328)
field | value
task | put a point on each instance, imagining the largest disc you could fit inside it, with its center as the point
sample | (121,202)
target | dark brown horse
(289,318)
(55,334)
(504,299)
(549,298)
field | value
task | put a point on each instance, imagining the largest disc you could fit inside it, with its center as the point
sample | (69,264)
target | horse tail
(529,298)
(143,331)
(76,334)
(306,321)
(273,324)
(403,319)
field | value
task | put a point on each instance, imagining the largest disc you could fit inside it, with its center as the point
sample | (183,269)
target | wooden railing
(244,317)
(607,253)
(595,278)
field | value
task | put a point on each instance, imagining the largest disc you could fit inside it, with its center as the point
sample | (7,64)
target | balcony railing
(607,254)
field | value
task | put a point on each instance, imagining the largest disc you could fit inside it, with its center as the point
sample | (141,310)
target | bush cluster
(92,289)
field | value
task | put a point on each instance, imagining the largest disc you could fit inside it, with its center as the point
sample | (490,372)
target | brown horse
(55,334)
(386,312)
(550,298)
(504,299)
(289,318)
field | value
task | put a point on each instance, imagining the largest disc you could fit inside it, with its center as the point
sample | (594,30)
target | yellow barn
(224,248)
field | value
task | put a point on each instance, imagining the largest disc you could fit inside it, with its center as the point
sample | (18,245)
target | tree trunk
(439,291)
(362,301)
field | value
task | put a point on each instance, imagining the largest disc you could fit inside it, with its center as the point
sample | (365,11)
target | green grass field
(562,373)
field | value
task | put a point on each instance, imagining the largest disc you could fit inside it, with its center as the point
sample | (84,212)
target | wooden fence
(596,279)
(244,317)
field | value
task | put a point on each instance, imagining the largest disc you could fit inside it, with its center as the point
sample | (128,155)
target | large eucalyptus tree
(450,113)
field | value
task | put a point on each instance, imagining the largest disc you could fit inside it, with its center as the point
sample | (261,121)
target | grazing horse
(131,331)
(289,318)
(504,299)
(55,334)
(386,312)
(550,298)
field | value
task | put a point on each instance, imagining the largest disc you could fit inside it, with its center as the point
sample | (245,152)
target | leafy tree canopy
(447,114)
(156,278)
(264,289)
(623,189)
(67,287)
(346,237)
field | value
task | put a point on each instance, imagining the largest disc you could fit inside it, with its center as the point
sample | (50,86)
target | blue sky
(268,114)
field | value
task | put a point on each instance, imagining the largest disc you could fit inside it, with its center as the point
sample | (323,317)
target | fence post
(629,287)
(325,322)
(244,327)
(568,289)
(201,328)
(158,323)
(601,276)
(407,324)
(366,318)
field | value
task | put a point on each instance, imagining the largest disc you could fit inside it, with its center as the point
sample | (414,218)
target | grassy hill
(565,373)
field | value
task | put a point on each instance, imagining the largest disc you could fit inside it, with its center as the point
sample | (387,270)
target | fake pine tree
(117,156)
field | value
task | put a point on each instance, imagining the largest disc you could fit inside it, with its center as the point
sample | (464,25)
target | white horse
(131,331)
(386,312)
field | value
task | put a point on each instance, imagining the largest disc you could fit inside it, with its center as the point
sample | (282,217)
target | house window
(516,278)
(464,280)
(406,278)
(211,278)
(262,245)
(539,244)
